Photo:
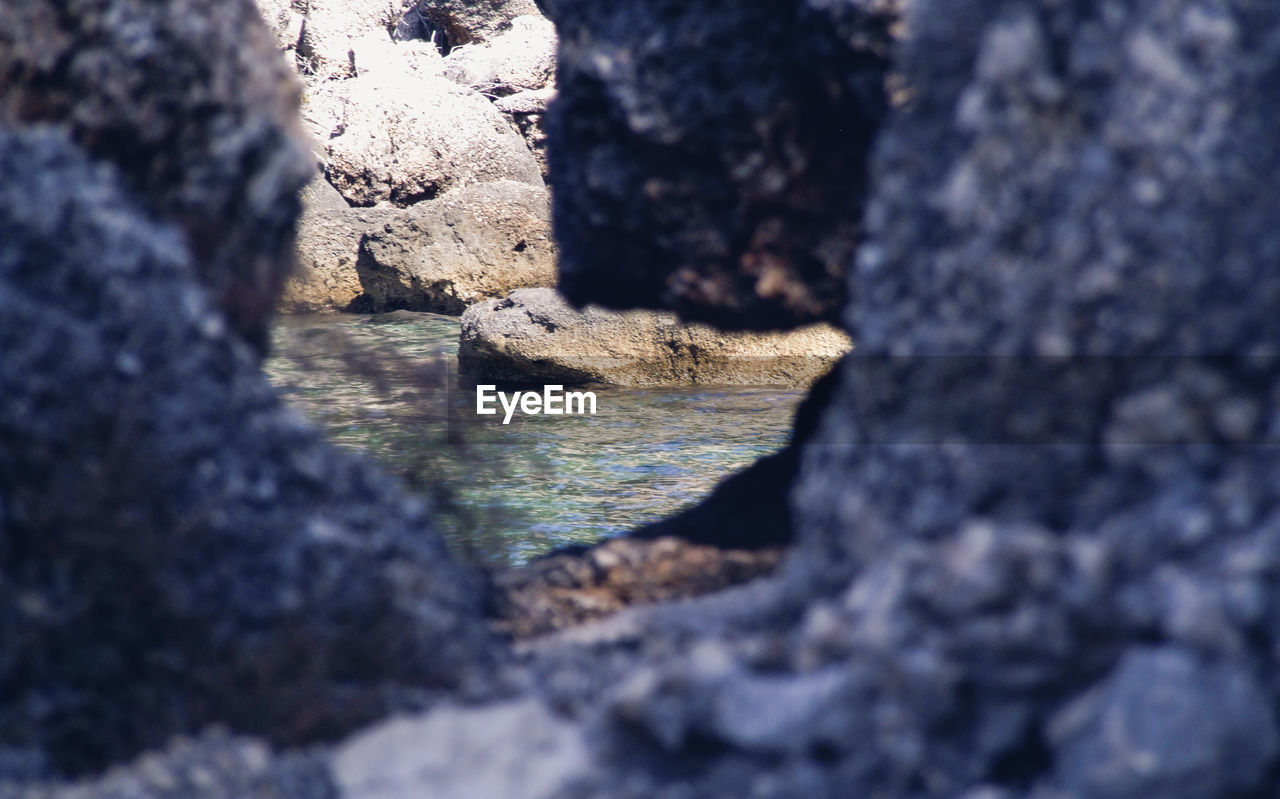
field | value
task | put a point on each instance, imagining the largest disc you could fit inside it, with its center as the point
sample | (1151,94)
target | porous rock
(324,277)
(710,157)
(534,335)
(470,244)
(180,97)
(451,23)
(522,58)
(179,548)
(408,139)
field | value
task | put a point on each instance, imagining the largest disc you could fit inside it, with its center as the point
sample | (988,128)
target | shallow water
(387,384)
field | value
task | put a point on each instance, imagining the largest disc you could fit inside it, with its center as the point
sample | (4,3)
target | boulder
(450,23)
(522,58)
(468,245)
(331,26)
(324,277)
(710,157)
(533,335)
(408,140)
(526,109)
(179,547)
(181,97)
(285,22)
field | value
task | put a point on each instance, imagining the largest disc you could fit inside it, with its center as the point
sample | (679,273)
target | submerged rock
(468,245)
(710,157)
(534,336)
(178,547)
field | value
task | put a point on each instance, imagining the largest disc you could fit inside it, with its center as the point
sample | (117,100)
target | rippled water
(388,384)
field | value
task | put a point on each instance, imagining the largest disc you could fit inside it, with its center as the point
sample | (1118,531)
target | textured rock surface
(178,547)
(409,139)
(522,58)
(182,97)
(526,110)
(456,22)
(329,235)
(709,157)
(468,245)
(330,27)
(533,335)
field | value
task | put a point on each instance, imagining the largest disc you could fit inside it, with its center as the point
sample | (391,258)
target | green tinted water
(387,384)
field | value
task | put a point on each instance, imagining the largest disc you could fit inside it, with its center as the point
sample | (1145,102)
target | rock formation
(534,336)
(710,158)
(468,245)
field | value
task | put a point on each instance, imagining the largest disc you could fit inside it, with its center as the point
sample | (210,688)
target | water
(387,384)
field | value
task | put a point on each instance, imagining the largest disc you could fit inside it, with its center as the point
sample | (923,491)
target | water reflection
(386,384)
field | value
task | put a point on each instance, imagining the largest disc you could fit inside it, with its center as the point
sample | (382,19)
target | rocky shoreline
(1030,523)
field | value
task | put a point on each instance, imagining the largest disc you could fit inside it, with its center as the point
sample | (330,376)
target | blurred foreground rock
(534,336)
(176,547)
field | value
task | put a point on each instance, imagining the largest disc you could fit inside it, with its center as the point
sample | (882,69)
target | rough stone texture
(567,588)
(178,547)
(526,110)
(533,335)
(709,157)
(520,749)
(329,235)
(522,58)
(212,766)
(330,27)
(408,139)
(192,103)
(285,22)
(456,22)
(468,245)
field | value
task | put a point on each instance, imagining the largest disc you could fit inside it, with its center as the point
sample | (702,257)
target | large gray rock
(324,277)
(522,58)
(526,110)
(180,548)
(468,245)
(710,157)
(182,97)
(408,139)
(534,335)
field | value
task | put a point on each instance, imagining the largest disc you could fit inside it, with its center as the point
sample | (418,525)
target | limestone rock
(192,103)
(457,22)
(533,335)
(526,110)
(410,140)
(331,26)
(522,58)
(468,245)
(324,277)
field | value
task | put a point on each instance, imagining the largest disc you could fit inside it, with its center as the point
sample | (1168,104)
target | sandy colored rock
(526,110)
(330,27)
(324,277)
(405,140)
(469,245)
(533,335)
(456,22)
(522,58)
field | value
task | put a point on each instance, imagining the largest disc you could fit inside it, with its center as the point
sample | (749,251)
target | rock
(566,589)
(525,110)
(451,23)
(331,26)
(190,101)
(533,335)
(513,749)
(211,766)
(179,547)
(329,235)
(468,245)
(410,140)
(710,158)
(520,59)
(1166,724)
(286,23)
